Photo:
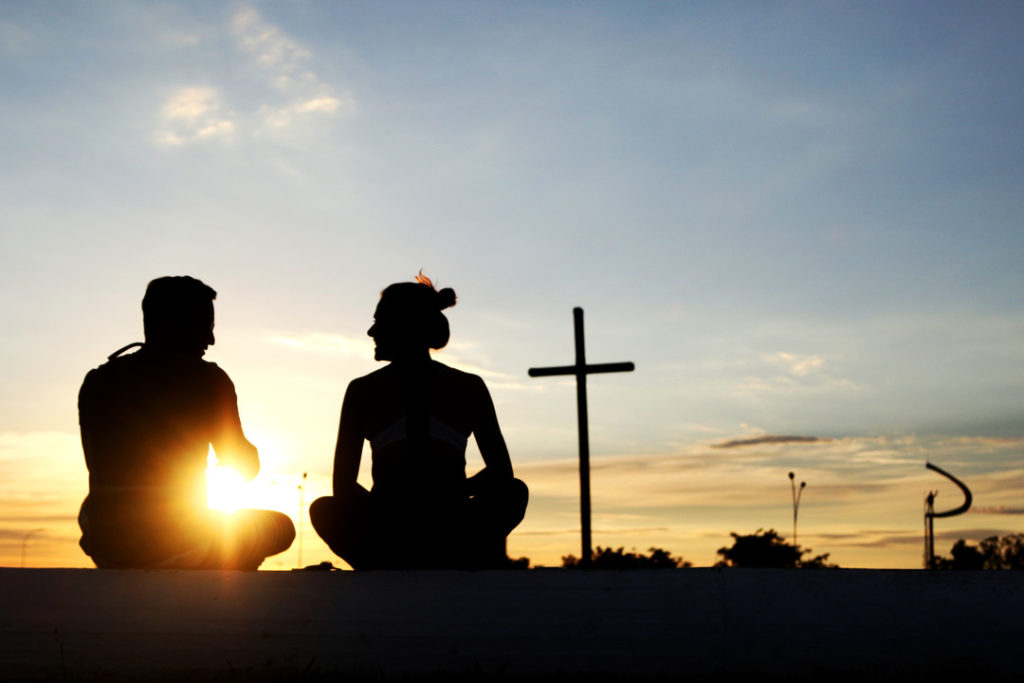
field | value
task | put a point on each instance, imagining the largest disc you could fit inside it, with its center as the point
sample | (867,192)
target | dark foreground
(697,624)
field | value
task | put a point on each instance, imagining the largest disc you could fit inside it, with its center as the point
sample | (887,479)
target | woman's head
(408,319)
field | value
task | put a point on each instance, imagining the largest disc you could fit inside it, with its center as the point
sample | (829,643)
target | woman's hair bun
(445,298)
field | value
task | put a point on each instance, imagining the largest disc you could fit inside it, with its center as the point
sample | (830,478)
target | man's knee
(282,531)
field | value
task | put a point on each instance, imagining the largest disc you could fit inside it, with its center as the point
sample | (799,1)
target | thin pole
(581,412)
(792,487)
(796,499)
(24,544)
(931,542)
(302,512)
(796,510)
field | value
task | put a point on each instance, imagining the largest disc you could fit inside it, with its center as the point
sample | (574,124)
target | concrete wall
(702,623)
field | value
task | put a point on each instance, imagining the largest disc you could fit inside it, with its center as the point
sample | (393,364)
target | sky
(797,219)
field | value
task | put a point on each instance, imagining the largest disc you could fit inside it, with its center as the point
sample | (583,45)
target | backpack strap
(121,350)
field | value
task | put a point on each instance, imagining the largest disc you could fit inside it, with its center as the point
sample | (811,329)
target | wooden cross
(581,370)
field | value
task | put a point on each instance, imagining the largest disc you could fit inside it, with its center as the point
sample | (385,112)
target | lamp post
(796,500)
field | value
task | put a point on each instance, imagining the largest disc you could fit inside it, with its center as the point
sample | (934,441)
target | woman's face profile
(390,336)
(379,333)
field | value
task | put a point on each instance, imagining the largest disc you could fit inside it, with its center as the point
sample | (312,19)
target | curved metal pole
(930,514)
(968,498)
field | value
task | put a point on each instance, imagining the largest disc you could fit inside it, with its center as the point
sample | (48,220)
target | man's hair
(173,299)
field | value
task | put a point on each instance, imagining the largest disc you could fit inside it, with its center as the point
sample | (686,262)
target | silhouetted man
(148,420)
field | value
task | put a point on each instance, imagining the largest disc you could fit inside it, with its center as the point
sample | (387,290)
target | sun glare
(225,488)
(227,491)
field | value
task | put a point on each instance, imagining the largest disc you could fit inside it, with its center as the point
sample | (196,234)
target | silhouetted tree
(963,557)
(518,563)
(766,549)
(606,558)
(992,553)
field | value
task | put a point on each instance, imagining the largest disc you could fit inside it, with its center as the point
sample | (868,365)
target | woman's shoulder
(371,380)
(460,377)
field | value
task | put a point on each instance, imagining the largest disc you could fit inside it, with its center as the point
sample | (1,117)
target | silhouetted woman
(417,415)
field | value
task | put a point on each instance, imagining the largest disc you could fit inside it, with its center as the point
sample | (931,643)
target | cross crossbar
(586,369)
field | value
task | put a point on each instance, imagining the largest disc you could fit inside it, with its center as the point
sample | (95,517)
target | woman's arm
(488,434)
(350,442)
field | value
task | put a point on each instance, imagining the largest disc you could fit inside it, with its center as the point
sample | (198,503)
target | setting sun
(225,488)
(227,491)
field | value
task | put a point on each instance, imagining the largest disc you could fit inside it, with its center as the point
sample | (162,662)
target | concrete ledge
(702,623)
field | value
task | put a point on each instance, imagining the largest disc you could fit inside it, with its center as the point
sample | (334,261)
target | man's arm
(229,443)
(86,419)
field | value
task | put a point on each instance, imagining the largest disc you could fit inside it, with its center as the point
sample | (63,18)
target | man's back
(147,422)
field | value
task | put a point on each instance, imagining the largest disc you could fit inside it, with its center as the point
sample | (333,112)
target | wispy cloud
(272,49)
(754,441)
(320,342)
(284,116)
(996,510)
(195,113)
(786,372)
(799,365)
(286,64)
(293,90)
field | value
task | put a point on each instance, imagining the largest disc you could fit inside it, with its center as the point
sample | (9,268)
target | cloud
(974,442)
(273,49)
(293,92)
(319,342)
(190,103)
(769,439)
(996,510)
(785,372)
(216,128)
(285,64)
(194,113)
(322,103)
(801,366)
(282,117)
(971,534)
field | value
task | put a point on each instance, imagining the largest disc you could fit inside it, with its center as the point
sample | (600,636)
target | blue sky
(796,218)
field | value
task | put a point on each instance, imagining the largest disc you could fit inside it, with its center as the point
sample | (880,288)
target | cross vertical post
(580,369)
(584,431)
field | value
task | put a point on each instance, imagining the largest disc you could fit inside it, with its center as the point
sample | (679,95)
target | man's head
(177,315)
